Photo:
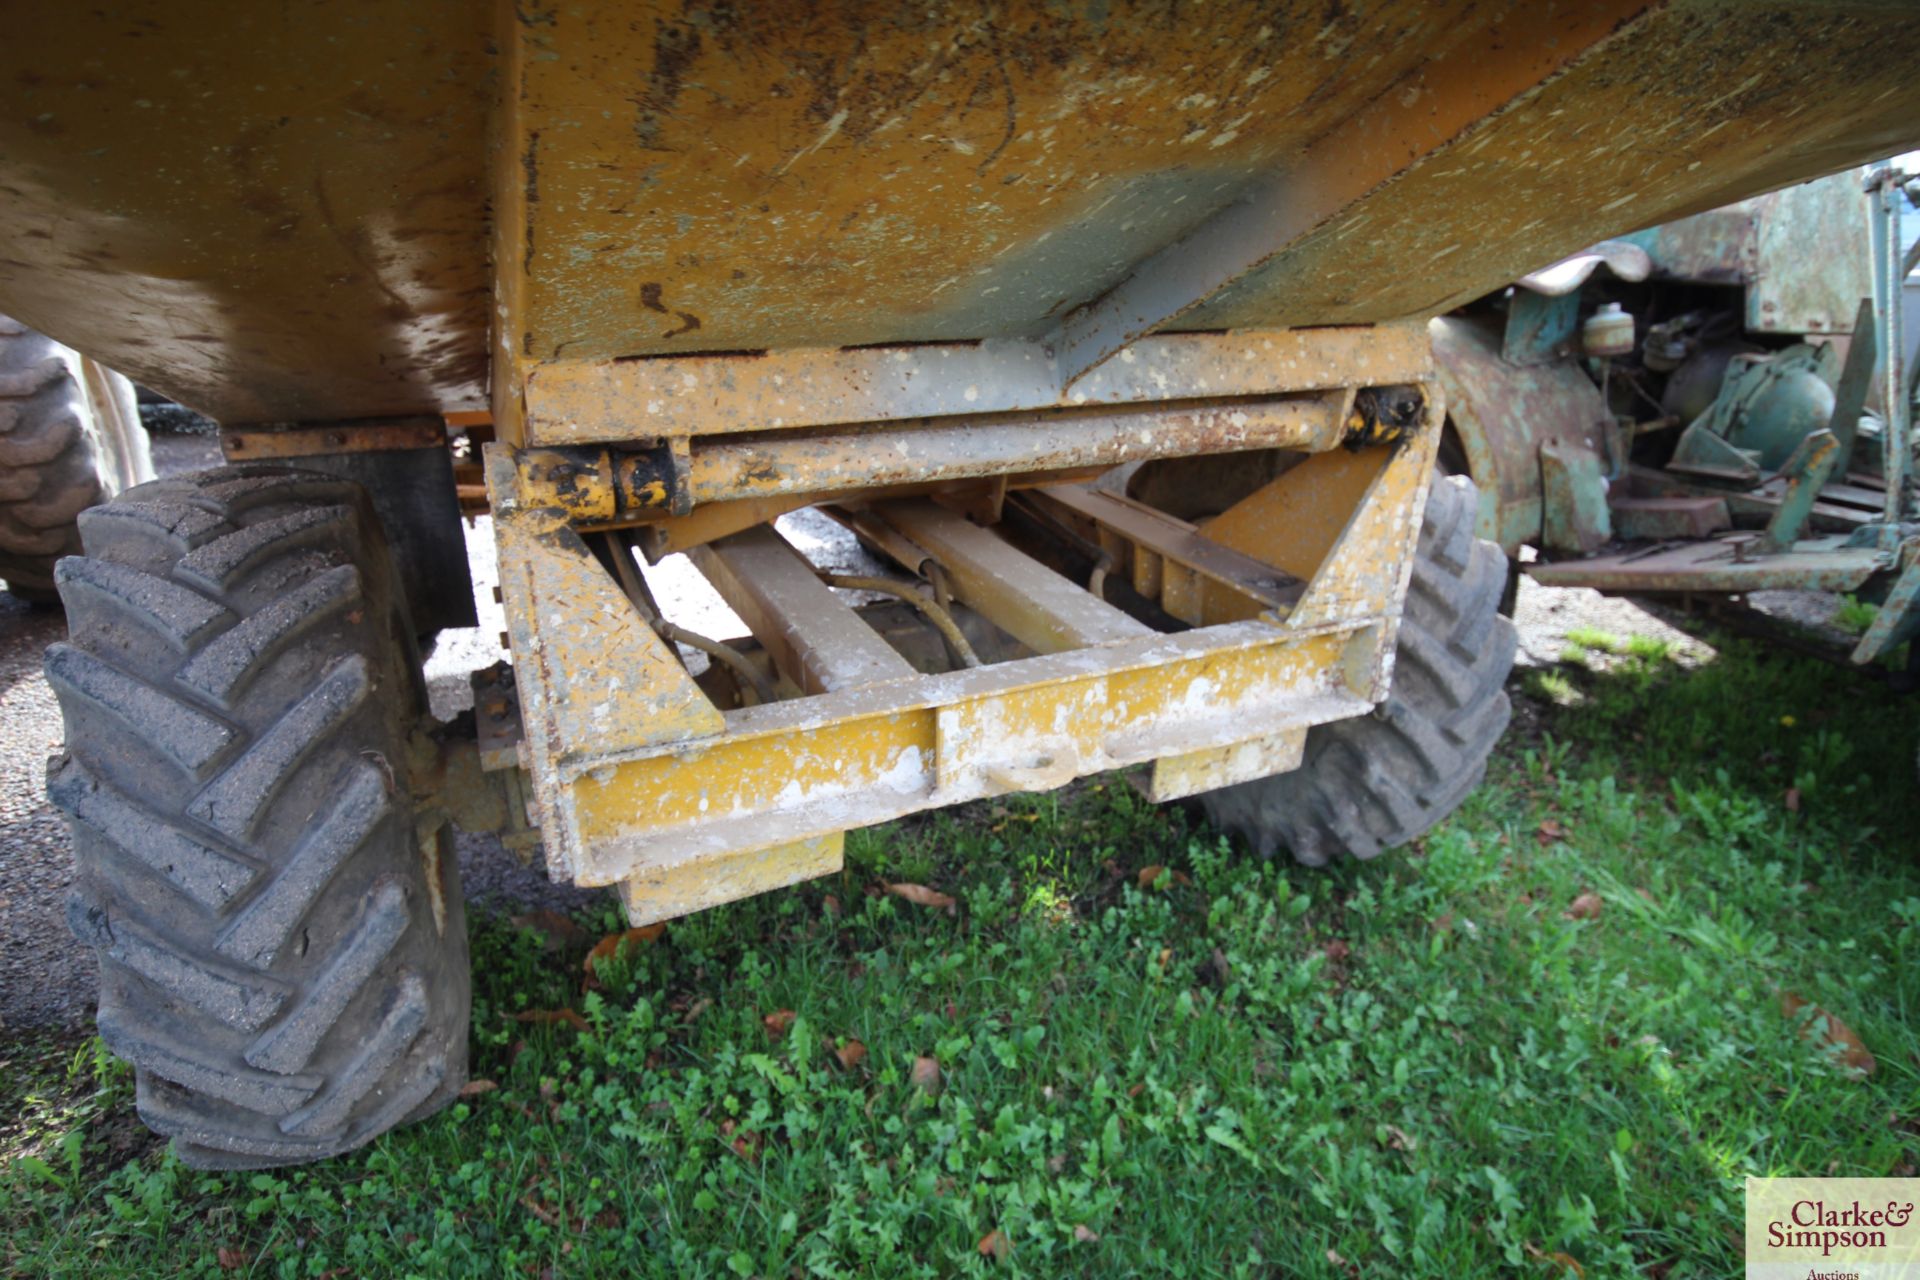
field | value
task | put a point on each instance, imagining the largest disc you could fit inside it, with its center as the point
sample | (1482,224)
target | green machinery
(1708,408)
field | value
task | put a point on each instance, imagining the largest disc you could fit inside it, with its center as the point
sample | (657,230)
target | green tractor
(1706,409)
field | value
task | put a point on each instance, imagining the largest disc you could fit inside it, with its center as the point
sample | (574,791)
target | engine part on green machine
(1767,406)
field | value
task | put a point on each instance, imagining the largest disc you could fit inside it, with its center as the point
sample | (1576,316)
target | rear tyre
(70,437)
(283,954)
(1379,780)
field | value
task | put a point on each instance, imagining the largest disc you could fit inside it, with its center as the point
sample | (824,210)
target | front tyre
(1379,780)
(283,954)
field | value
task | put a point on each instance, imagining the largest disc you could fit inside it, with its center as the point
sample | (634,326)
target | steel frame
(637,778)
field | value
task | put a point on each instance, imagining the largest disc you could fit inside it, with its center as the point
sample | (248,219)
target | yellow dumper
(1106,324)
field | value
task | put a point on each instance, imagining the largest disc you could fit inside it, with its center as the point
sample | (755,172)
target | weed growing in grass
(1590,638)
(1855,615)
(1554,1029)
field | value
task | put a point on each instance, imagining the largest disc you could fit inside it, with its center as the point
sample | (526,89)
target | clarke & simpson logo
(1832,1228)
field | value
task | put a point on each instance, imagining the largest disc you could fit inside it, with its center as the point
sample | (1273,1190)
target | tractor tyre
(70,437)
(283,952)
(1379,780)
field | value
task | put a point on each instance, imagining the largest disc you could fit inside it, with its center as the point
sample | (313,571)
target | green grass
(1855,615)
(1416,1066)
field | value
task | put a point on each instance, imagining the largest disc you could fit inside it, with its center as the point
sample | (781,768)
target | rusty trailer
(1106,326)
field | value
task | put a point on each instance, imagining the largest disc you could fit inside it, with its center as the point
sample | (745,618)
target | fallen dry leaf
(561,933)
(547,1017)
(474,1088)
(925,1075)
(1337,950)
(1585,907)
(920,895)
(1399,1139)
(1792,800)
(851,1054)
(232,1259)
(1550,830)
(1558,1259)
(609,946)
(545,1212)
(1333,1256)
(1150,876)
(995,1244)
(1823,1025)
(1085,1234)
(778,1021)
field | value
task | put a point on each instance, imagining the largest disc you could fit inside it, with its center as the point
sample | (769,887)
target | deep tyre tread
(1378,781)
(54,462)
(283,958)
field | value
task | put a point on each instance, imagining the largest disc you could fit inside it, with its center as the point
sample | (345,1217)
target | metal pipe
(931,610)
(620,542)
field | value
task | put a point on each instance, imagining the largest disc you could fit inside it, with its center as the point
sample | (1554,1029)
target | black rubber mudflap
(1377,781)
(283,958)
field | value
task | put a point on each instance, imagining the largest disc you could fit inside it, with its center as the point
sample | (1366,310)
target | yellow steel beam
(592,677)
(580,402)
(655,893)
(814,637)
(1197,579)
(1021,596)
(794,770)
(1174,777)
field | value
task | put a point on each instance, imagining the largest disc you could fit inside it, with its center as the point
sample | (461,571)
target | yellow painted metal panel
(791,770)
(653,894)
(1174,777)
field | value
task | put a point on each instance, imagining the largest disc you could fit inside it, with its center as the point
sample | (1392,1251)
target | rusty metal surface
(1815,564)
(965,448)
(274,213)
(1695,105)
(580,401)
(1798,250)
(783,176)
(597,487)
(1441,99)
(636,775)
(281,213)
(591,676)
(1502,414)
(1573,485)
(342,437)
(1898,620)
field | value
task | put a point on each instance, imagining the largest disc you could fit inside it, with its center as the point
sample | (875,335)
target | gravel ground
(47,979)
